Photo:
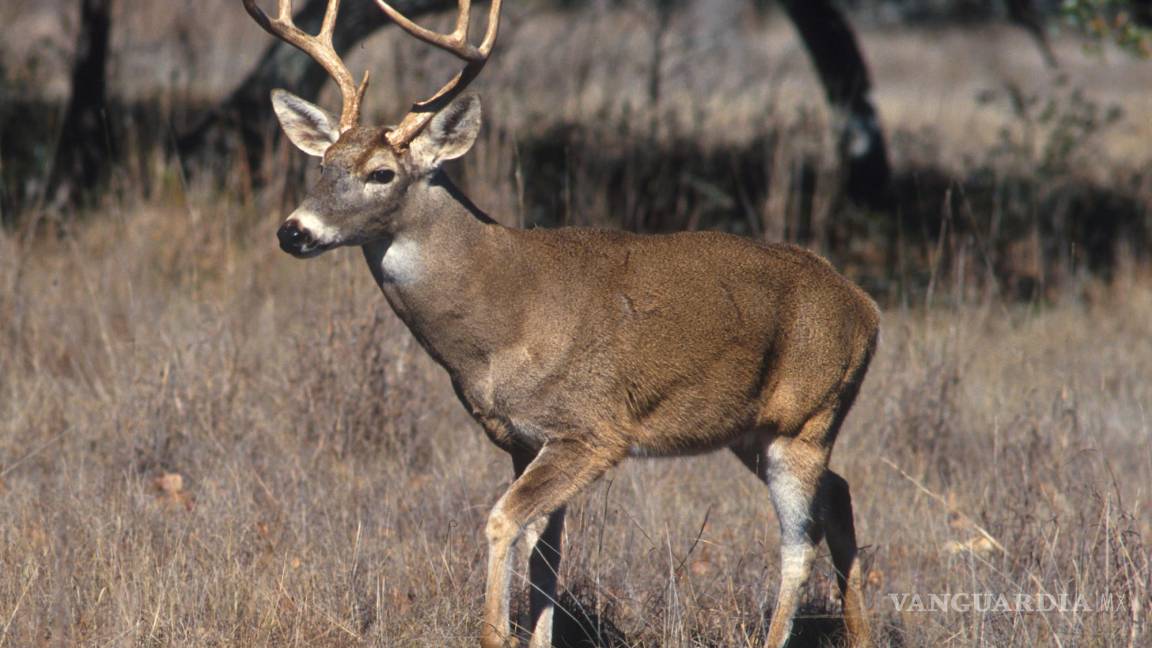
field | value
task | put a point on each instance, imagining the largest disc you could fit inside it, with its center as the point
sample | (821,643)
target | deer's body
(666,345)
(577,348)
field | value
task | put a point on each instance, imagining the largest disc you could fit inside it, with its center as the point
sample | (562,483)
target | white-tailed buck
(576,348)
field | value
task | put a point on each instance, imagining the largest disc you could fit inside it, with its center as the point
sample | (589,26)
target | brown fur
(575,348)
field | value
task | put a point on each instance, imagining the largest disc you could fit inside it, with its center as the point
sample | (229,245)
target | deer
(577,348)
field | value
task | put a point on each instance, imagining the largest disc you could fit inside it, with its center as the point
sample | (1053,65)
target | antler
(320,48)
(455,43)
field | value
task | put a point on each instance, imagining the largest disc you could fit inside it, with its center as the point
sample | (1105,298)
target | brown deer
(577,348)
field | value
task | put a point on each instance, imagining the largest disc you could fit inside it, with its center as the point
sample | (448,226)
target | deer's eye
(381,176)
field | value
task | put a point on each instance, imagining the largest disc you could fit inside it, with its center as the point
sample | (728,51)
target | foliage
(1110,21)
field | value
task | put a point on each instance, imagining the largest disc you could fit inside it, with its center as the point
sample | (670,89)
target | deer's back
(682,340)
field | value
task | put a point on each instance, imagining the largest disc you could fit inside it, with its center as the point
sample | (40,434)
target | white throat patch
(401,263)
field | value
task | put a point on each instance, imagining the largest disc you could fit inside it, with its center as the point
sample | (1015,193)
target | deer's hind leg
(792,469)
(841,536)
(809,501)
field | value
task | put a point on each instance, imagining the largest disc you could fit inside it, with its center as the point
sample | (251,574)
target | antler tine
(328,24)
(320,48)
(455,43)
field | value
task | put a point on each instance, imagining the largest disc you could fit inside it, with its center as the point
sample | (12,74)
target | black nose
(292,237)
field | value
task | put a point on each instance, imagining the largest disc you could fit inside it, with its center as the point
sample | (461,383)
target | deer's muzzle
(294,239)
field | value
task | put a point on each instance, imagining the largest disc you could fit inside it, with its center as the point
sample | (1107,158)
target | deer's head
(367,189)
(371,178)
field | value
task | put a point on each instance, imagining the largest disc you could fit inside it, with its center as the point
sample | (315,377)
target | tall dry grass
(331,492)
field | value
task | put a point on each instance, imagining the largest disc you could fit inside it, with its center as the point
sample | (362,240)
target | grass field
(204,442)
(331,491)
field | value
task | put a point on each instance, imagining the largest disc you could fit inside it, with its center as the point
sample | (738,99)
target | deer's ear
(450,133)
(311,128)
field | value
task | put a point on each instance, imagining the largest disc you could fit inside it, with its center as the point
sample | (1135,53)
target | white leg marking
(790,497)
(542,633)
(795,563)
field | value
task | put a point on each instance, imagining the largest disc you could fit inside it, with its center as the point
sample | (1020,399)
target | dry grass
(333,493)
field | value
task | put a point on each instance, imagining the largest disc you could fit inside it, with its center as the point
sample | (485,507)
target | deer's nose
(293,238)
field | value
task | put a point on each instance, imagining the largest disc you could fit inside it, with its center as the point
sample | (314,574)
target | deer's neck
(449,277)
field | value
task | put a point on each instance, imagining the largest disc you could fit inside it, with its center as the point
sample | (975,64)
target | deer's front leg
(542,542)
(561,469)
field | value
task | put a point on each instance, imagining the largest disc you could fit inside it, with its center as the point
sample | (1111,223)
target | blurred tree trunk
(247,111)
(82,159)
(832,46)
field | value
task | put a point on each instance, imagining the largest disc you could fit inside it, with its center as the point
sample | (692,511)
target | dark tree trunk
(1026,14)
(832,47)
(247,112)
(83,157)
(1142,12)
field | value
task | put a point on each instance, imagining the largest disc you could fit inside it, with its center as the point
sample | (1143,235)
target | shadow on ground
(819,626)
(579,624)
